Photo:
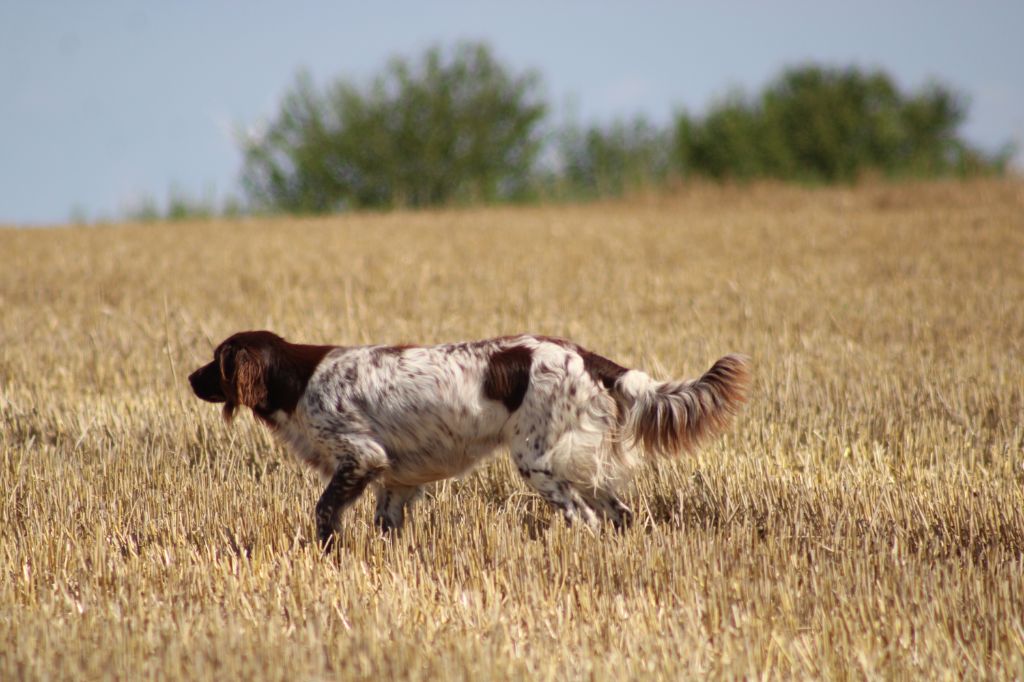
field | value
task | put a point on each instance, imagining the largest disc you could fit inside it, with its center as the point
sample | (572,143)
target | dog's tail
(666,417)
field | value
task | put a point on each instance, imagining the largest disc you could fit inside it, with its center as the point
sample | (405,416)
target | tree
(457,126)
(604,161)
(824,124)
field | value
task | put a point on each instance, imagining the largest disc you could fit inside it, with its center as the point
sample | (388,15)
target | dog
(400,417)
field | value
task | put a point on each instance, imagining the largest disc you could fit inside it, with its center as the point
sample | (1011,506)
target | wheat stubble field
(863,518)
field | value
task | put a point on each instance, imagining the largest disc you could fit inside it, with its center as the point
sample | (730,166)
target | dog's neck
(289,370)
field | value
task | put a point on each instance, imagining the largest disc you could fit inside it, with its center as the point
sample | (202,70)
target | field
(864,517)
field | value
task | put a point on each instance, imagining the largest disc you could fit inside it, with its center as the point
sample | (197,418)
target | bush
(455,127)
(180,206)
(606,161)
(827,125)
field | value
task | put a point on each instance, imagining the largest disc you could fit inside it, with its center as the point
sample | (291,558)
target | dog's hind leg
(560,494)
(612,508)
(534,464)
(391,503)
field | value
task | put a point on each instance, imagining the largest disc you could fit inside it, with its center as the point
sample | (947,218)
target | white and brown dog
(404,416)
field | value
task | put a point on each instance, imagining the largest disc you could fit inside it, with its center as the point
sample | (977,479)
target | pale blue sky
(104,102)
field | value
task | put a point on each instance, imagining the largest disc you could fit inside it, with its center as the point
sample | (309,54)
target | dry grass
(864,518)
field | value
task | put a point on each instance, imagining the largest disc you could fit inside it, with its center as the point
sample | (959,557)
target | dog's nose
(200,381)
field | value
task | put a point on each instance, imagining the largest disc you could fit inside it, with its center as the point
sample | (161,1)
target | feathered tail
(666,417)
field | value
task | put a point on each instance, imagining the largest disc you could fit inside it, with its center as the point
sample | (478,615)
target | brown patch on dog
(602,370)
(508,376)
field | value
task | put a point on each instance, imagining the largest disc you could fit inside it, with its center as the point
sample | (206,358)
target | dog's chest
(294,433)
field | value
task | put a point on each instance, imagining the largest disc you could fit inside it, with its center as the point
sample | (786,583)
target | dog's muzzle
(205,383)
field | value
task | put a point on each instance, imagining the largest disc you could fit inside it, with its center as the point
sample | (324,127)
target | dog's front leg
(356,469)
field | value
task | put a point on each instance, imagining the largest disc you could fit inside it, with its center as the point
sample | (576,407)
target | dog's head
(245,371)
(259,370)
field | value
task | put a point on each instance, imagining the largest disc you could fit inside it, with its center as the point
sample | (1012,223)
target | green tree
(603,161)
(456,126)
(823,124)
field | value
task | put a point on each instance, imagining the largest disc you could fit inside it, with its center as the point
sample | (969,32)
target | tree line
(456,126)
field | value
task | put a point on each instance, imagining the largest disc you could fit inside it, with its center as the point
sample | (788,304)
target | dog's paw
(325,537)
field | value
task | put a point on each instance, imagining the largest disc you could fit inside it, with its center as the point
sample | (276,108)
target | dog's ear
(243,374)
(251,377)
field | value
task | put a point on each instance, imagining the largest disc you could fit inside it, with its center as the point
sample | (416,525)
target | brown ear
(243,376)
(250,378)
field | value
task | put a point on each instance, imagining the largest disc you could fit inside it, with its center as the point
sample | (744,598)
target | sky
(104,103)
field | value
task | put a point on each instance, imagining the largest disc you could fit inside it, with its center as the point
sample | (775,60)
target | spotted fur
(400,417)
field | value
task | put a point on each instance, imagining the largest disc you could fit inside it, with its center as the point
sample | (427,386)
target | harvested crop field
(863,517)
